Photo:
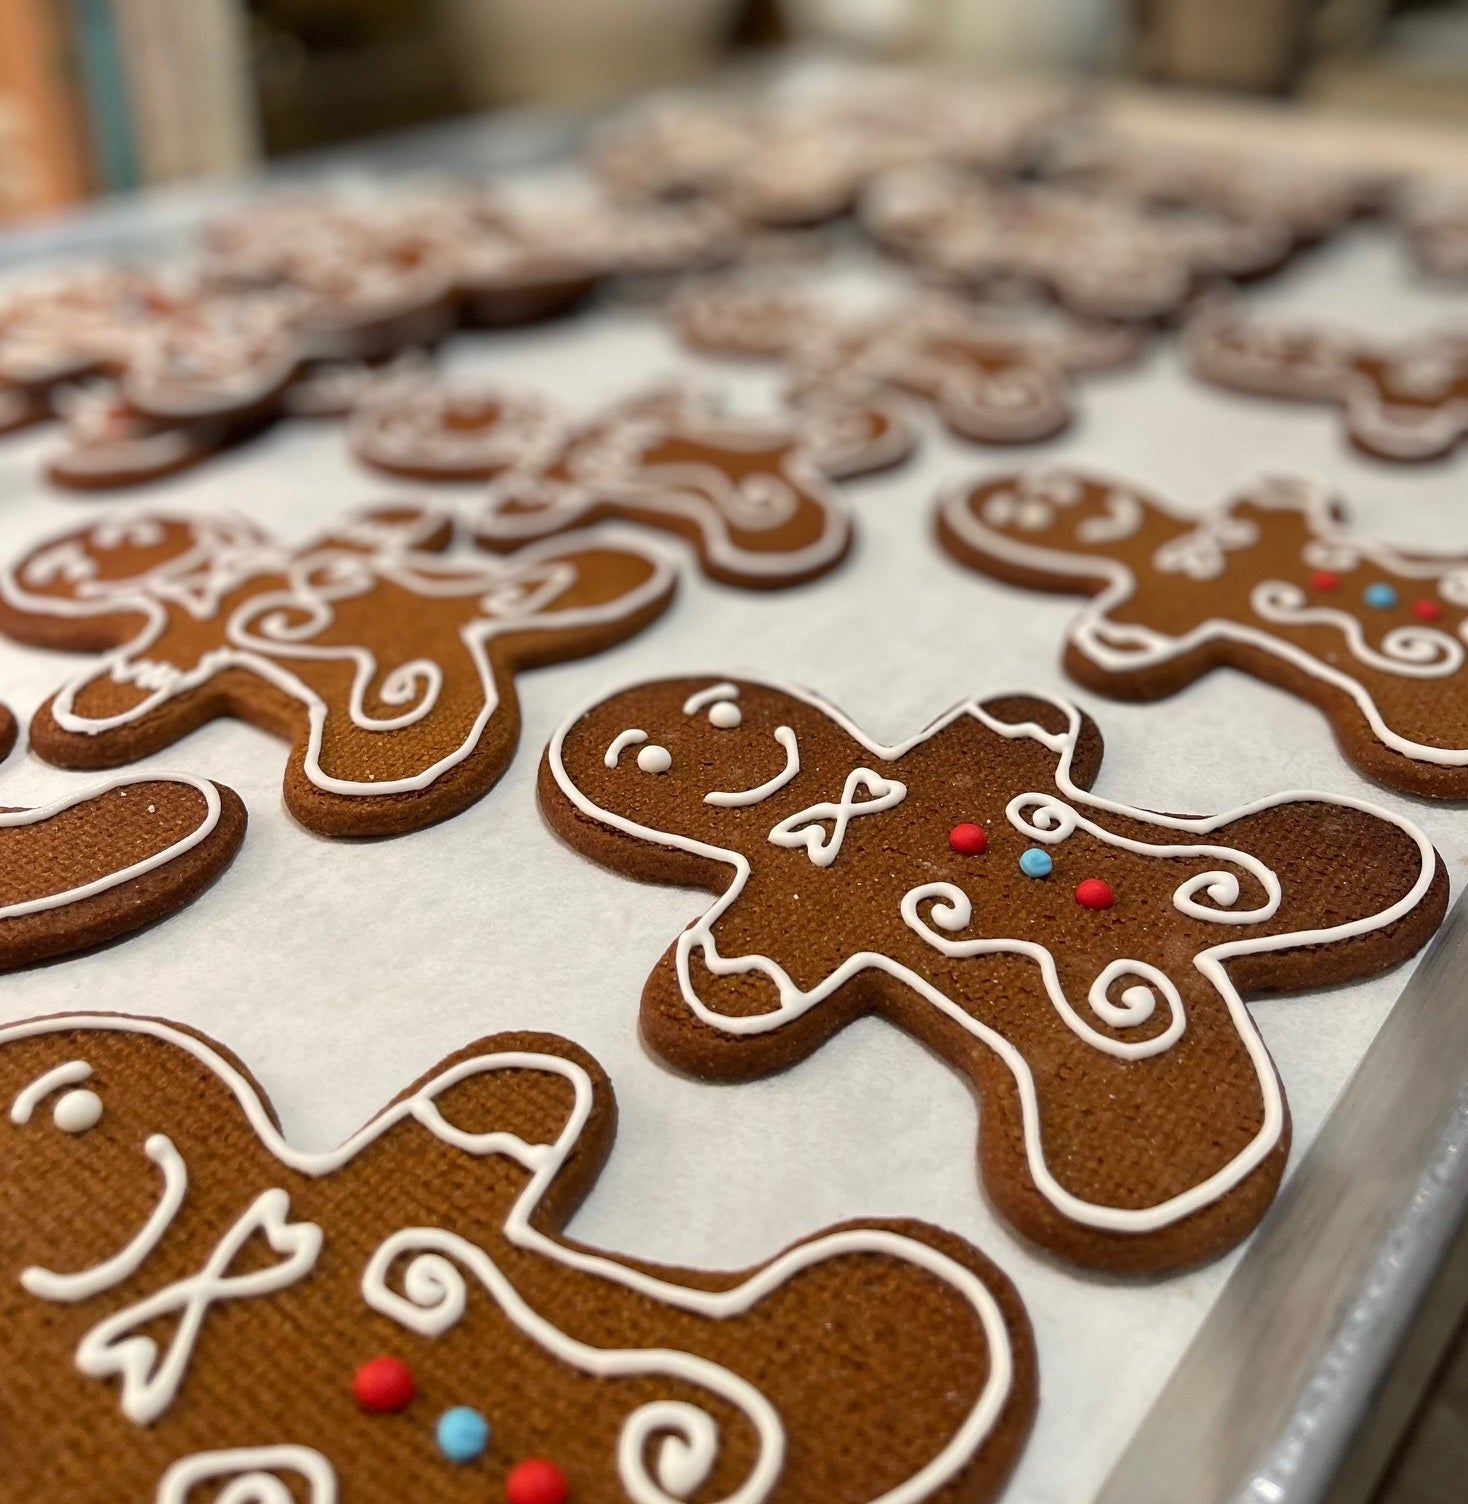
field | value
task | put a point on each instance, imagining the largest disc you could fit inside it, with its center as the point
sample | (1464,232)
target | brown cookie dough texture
(1273,584)
(992,379)
(389,669)
(107,860)
(187,1298)
(1406,401)
(1080,961)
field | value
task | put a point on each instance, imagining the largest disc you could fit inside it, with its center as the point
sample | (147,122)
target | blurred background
(105,96)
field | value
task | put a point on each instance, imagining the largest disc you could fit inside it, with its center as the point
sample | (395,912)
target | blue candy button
(1035,862)
(463,1434)
(1380,595)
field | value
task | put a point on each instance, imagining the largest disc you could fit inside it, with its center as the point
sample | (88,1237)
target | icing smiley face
(390,669)
(421,1321)
(1078,959)
(1273,584)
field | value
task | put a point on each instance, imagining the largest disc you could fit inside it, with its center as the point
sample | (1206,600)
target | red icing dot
(1094,894)
(1426,610)
(536,1481)
(968,839)
(383,1386)
(1323,579)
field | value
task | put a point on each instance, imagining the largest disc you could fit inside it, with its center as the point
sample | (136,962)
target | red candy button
(1094,894)
(1323,579)
(1426,610)
(536,1481)
(968,839)
(383,1386)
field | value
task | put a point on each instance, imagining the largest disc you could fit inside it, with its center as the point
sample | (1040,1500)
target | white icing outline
(795,1002)
(433,1295)
(1118,648)
(805,827)
(320,575)
(14,818)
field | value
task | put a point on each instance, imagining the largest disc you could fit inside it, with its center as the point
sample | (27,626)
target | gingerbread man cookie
(1098,256)
(390,670)
(753,496)
(991,380)
(196,1310)
(1079,960)
(1273,584)
(1401,402)
(108,860)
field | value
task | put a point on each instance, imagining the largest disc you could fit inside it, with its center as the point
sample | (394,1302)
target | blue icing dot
(1380,595)
(463,1434)
(1035,862)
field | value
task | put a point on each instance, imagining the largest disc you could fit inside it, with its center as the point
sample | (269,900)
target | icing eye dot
(725,715)
(1426,610)
(1381,596)
(654,759)
(1035,862)
(77,1111)
(462,1433)
(969,840)
(1324,579)
(383,1386)
(1095,894)
(536,1481)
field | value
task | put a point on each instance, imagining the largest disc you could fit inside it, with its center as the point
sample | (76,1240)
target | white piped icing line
(1124,647)
(169,853)
(434,1293)
(253,1476)
(620,743)
(1052,819)
(740,798)
(806,827)
(515,597)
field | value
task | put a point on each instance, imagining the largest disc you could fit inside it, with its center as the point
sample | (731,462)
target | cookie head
(114,557)
(1058,509)
(681,755)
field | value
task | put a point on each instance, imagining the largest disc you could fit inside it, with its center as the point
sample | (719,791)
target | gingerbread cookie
(1273,584)
(1401,402)
(991,379)
(389,670)
(753,496)
(109,859)
(1079,960)
(417,1324)
(1096,255)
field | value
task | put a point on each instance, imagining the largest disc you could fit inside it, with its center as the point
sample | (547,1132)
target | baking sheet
(340,971)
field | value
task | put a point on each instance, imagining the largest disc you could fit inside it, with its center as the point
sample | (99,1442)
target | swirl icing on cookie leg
(651,1382)
(972,941)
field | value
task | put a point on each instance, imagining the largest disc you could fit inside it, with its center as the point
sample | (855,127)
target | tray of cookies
(490,1012)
